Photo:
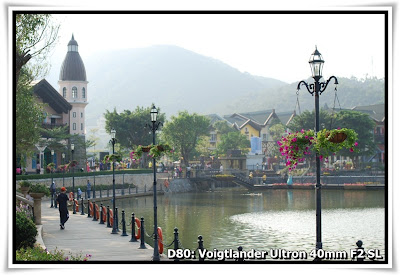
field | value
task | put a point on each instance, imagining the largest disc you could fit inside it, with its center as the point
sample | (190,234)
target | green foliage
(232,141)
(363,125)
(24,183)
(130,126)
(55,137)
(39,188)
(81,174)
(307,120)
(25,231)
(296,146)
(277,131)
(112,158)
(184,131)
(51,166)
(325,148)
(28,116)
(223,127)
(39,254)
(36,35)
(155,151)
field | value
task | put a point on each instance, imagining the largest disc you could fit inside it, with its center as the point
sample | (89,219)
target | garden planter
(145,149)
(37,207)
(24,190)
(338,138)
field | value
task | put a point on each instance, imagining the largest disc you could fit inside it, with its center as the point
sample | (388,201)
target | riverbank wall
(142,181)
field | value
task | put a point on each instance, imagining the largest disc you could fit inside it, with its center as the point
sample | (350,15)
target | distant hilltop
(178,79)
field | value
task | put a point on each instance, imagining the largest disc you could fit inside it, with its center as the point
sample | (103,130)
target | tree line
(189,134)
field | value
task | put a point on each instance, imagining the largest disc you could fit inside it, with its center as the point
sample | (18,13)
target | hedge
(82,174)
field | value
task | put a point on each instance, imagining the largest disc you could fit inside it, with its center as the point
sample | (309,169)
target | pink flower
(351,149)
(356,143)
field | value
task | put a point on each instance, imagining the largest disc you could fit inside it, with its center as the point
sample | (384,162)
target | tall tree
(232,141)
(184,131)
(36,35)
(307,121)
(223,127)
(130,126)
(28,116)
(363,125)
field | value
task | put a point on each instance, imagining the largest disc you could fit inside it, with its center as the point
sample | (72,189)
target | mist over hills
(176,79)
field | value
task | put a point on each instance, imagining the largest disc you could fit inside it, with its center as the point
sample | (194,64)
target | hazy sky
(270,45)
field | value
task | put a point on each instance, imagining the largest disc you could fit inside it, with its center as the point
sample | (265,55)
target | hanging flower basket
(336,138)
(155,151)
(72,163)
(112,158)
(146,149)
(295,146)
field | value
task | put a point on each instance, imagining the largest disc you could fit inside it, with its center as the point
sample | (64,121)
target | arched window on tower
(83,93)
(64,92)
(74,92)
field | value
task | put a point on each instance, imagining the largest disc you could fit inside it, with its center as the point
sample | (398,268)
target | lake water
(272,219)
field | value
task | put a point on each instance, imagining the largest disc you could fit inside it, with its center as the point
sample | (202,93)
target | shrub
(39,254)
(39,188)
(26,231)
(24,183)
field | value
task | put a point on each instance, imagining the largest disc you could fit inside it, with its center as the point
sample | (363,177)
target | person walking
(62,200)
(88,189)
(79,193)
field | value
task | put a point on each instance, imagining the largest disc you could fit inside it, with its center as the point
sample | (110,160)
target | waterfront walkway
(83,236)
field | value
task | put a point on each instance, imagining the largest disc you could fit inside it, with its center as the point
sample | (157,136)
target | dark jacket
(62,200)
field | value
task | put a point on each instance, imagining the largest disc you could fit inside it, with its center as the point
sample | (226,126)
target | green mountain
(176,79)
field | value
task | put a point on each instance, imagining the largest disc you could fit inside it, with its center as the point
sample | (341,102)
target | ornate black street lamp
(113,140)
(73,176)
(316,89)
(153,127)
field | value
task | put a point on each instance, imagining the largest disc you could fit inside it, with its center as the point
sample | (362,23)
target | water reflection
(264,220)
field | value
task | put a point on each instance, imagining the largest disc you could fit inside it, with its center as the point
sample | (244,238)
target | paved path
(84,236)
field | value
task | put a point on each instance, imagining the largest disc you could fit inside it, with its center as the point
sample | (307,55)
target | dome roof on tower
(73,67)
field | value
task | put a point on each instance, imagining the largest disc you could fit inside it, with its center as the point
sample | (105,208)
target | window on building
(81,114)
(64,92)
(74,114)
(74,92)
(81,126)
(83,93)
(74,126)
